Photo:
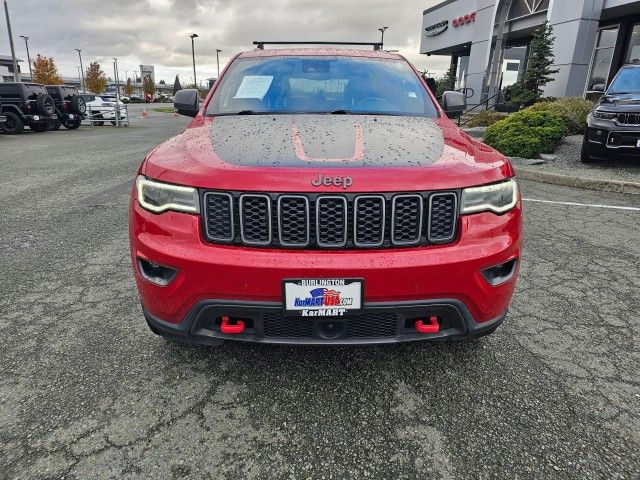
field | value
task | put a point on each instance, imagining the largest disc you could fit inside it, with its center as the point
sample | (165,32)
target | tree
(128,88)
(448,82)
(95,79)
(45,71)
(176,85)
(539,72)
(162,82)
(148,86)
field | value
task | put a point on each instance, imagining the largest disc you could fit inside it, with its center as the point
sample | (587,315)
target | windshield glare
(321,84)
(627,81)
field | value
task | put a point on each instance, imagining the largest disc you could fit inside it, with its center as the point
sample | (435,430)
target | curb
(616,186)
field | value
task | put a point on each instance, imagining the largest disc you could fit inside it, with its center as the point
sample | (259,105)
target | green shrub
(526,134)
(574,112)
(486,118)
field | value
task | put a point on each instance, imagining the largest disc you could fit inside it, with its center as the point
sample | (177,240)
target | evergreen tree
(448,82)
(176,85)
(539,70)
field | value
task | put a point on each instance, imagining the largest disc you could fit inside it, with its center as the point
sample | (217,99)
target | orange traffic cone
(145,113)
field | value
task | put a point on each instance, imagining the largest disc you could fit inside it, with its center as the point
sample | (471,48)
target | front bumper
(607,139)
(398,279)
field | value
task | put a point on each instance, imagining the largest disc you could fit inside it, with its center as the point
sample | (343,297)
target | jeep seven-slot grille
(630,119)
(319,221)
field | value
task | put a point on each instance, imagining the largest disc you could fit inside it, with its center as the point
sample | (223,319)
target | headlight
(159,197)
(498,198)
(602,115)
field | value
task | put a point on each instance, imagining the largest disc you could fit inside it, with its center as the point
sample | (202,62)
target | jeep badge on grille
(344,182)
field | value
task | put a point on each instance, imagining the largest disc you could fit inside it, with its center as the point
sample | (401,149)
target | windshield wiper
(245,112)
(340,112)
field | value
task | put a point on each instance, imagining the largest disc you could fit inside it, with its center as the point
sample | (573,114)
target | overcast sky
(155,32)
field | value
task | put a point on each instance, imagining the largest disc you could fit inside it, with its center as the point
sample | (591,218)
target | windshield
(321,84)
(627,81)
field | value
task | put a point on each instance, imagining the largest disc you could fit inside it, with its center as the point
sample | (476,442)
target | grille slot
(293,221)
(372,325)
(369,221)
(316,221)
(275,325)
(406,227)
(219,216)
(443,208)
(331,221)
(255,219)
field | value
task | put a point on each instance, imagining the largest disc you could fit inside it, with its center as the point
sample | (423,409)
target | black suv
(613,127)
(26,104)
(70,107)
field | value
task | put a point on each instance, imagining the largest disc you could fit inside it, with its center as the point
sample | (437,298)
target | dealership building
(488,41)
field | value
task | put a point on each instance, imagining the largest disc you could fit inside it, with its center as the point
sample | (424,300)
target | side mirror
(454,103)
(599,87)
(186,102)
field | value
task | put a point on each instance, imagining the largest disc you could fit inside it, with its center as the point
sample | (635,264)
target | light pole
(79,75)
(16,74)
(193,56)
(26,43)
(218,61)
(117,79)
(382,30)
(81,67)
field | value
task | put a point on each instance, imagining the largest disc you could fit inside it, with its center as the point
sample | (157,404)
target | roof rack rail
(376,45)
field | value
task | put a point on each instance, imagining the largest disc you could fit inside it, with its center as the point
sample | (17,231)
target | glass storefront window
(633,52)
(602,57)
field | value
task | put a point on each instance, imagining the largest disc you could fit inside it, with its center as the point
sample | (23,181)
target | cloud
(155,32)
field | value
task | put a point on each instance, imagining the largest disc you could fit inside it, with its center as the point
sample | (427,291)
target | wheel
(113,122)
(72,124)
(45,105)
(39,127)
(54,124)
(584,152)
(78,105)
(98,119)
(13,125)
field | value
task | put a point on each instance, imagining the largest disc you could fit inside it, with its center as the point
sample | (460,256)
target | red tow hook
(432,327)
(226,327)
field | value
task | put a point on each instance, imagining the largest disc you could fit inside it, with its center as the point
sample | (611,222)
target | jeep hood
(285,152)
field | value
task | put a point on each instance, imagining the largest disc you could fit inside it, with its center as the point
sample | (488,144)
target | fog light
(36,117)
(158,274)
(500,273)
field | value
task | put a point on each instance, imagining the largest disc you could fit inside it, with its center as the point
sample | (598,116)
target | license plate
(323,297)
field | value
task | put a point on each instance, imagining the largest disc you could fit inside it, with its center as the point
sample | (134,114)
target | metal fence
(98,116)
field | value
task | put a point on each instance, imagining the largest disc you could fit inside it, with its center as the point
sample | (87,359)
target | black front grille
(317,221)
(630,119)
(371,325)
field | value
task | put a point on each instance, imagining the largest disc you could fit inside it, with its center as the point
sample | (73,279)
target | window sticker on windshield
(254,86)
(412,94)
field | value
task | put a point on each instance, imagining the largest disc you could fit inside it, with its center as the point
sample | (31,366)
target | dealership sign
(458,22)
(436,29)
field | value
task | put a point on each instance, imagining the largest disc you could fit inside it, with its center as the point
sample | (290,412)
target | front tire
(13,125)
(585,157)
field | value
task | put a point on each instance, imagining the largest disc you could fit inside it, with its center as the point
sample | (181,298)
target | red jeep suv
(322,196)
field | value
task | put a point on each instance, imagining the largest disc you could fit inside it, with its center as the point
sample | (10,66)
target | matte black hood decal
(332,140)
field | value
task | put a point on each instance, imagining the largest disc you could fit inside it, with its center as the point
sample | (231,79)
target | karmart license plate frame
(322,297)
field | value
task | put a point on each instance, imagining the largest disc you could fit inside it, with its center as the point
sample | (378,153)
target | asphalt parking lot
(87,391)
